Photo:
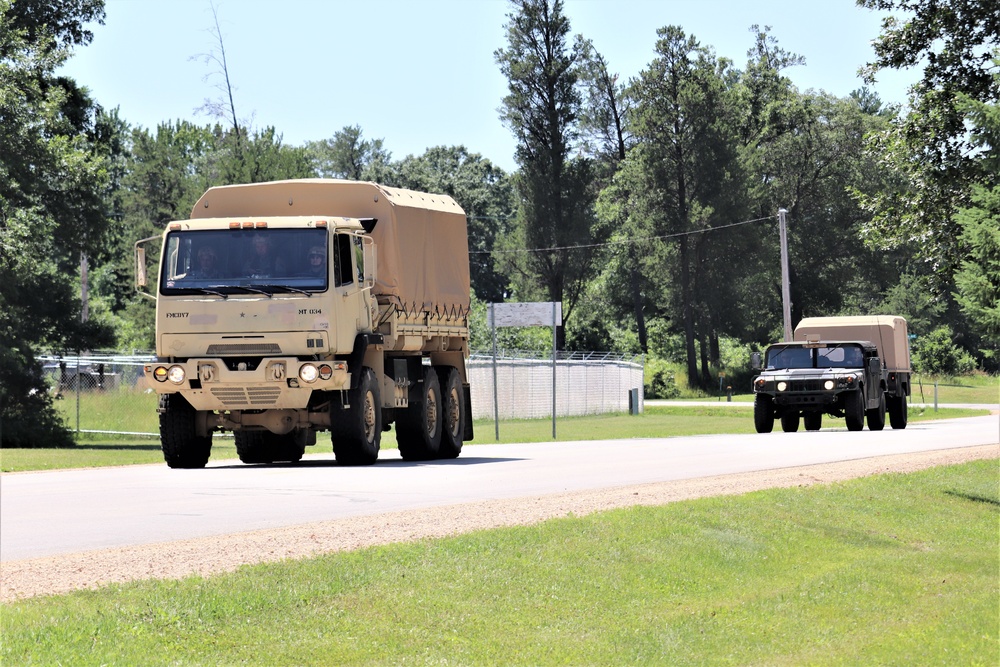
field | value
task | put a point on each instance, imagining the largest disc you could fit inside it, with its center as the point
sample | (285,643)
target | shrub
(661,379)
(937,354)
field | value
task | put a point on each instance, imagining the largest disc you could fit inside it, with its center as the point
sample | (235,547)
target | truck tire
(790,422)
(182,448)
(453,413)
(876,416)
(854,410)
(357,436)
(813,421)
(418,427)
(897,412)
(266,447)
(763,413)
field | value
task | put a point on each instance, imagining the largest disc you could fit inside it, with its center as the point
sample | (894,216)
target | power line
(623,242)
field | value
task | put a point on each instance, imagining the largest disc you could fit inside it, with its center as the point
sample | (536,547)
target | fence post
(496,400)
(78,394)
(935,397)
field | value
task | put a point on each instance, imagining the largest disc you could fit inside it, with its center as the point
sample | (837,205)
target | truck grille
(254,349)
(237,396)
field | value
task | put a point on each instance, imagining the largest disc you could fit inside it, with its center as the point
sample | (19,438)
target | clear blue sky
(421,73)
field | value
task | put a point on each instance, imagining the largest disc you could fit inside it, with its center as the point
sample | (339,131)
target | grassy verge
(657,422)
(894,569)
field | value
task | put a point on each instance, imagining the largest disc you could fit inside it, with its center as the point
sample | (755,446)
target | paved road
(60,512)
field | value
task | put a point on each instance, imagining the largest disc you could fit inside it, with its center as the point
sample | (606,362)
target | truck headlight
(308,373)
(828,385)
(175,374)
(782,386)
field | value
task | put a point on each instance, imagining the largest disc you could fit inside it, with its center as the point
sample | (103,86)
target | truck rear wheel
(763,413)
(267,447)
(453,415)
(182,447)
(897,412)
(357,435)
(876,416)
(418,428)
(854,410)
(813,421)
(790,422)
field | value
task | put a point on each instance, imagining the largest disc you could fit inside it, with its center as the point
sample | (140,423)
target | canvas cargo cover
(888,332)
(422,239)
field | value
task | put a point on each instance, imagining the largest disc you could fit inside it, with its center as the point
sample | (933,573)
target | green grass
(656,422)
(894,569)
(979,388)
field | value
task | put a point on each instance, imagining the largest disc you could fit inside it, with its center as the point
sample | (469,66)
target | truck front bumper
(280,382)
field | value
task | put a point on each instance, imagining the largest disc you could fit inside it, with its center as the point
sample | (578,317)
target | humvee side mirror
(874,365)
(756,362)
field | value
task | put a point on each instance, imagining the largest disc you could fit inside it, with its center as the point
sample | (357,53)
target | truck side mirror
(140,268)
(371,261)
(756,362)
(141,279)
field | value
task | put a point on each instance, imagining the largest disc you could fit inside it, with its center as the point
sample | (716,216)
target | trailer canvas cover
(888,332)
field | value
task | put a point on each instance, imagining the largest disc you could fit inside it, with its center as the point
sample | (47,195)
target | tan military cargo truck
(849,367)
(292,307)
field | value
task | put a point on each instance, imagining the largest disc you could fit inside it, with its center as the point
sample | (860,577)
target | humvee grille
(236,396)
(806,385)
(244,348)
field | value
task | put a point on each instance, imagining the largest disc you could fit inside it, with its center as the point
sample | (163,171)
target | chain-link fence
(103,393)
(107,394)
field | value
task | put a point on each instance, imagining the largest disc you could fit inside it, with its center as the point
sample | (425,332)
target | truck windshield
(223,261)
(832,356)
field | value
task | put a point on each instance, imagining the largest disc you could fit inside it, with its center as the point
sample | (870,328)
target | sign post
(531,314)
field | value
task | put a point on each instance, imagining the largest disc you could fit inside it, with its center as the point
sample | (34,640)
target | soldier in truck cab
(206,265)
(316,264)
(262,262)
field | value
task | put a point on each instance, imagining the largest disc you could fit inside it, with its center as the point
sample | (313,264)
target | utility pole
(786,299)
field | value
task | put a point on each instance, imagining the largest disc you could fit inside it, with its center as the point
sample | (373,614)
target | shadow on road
(396,463)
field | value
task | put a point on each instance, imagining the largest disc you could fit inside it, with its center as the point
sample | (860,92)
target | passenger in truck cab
(206,265)
(316,261)
(262,262)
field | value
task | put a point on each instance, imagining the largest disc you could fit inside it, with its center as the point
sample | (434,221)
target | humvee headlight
(325,372)
(160,374)
(175,374)
(308,373)
(828,385)
(782,386)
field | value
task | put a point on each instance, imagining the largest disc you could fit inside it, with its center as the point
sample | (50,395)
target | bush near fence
(106,393)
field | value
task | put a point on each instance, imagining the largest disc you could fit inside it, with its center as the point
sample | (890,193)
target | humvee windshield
(238,262)
(847,355)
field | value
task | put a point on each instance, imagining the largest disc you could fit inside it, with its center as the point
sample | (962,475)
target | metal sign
(534,314)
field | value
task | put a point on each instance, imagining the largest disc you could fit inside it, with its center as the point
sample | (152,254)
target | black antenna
(881,342)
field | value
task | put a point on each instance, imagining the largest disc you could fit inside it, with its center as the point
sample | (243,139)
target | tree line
(645,204)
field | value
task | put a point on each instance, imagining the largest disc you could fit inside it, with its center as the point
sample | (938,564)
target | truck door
(348,270)
(873,380)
